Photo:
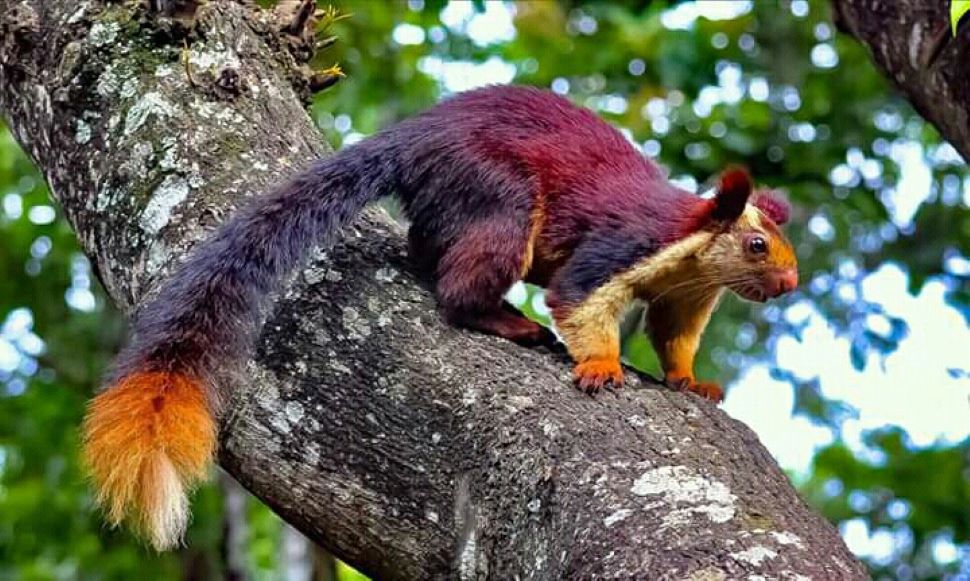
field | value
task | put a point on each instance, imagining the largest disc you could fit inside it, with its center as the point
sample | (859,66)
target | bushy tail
(149,437)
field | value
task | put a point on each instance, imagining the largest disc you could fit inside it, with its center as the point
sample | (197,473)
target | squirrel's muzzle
(779,282)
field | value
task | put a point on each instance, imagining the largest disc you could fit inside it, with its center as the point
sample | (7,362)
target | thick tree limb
(408,448)
(911,41)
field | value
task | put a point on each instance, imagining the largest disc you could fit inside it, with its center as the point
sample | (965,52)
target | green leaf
(957,9)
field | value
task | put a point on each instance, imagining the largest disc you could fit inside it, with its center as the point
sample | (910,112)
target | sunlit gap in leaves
(493,25)
(907,387)
(882,545)
(19,349)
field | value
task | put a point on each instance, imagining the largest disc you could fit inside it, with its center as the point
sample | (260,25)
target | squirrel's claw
(707,390)
(595,374)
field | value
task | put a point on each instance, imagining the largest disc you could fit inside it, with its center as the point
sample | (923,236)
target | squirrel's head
(751,255)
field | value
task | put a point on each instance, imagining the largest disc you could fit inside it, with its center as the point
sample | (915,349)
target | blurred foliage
(771,86)
(911,497)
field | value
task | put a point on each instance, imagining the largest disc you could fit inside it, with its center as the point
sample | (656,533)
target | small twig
(326,42)
(326,78)
(186,63)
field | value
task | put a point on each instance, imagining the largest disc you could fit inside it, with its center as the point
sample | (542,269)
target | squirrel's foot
(594,374)
(705,389)
(708,390)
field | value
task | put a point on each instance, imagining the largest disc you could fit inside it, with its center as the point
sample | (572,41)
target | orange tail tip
(147,441)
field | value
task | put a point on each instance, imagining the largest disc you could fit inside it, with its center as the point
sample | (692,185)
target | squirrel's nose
(781,281)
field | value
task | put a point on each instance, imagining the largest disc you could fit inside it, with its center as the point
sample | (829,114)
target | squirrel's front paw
(707,390)
(594,374)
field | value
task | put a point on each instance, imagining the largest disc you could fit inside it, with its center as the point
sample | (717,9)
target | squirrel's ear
(775,207)
(733,190)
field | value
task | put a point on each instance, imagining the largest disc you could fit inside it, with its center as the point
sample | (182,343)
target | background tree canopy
(858,383)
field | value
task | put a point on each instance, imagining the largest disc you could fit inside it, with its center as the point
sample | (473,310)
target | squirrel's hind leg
(503,322)
(476,271)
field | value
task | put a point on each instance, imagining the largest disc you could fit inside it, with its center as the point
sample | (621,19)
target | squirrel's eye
(758,245)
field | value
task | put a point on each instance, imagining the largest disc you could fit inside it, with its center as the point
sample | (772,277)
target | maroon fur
(772,206)
(733,191)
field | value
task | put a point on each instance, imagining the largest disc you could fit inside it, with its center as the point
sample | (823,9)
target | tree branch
(910,40)
(406,447)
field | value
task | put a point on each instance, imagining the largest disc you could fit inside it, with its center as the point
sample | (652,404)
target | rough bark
(406,447)
(911,41)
